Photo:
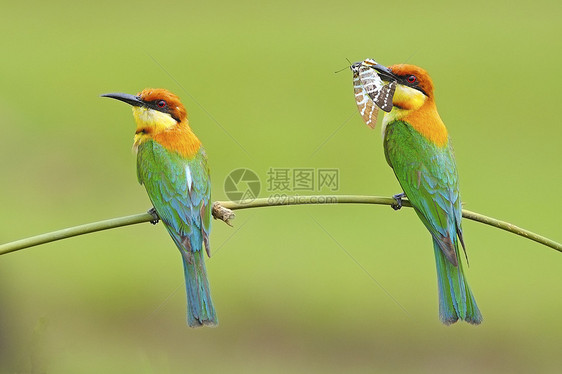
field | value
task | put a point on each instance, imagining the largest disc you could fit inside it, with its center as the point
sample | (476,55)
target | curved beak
(385,73)
(127,98)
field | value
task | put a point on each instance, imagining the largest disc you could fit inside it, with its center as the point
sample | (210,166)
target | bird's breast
(180,140)
(425,120)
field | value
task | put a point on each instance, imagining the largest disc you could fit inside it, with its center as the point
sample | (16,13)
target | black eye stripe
(160,105)
(409,80)
(405,80)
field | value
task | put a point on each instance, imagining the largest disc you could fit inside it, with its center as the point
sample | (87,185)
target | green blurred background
(288,296)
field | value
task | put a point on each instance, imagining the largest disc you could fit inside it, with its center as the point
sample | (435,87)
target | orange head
(413,84)
(413,101)
(414,77)
(163,101)
(154,100)
(160,116)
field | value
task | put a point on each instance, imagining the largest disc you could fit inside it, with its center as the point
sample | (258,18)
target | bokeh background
(289,295)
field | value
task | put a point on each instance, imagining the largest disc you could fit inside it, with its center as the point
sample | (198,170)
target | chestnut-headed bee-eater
(417,147)
(172,165)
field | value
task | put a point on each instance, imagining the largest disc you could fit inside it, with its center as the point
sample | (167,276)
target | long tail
(455,298)
(200,309)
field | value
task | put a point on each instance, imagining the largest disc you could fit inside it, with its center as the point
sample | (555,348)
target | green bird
(417,147)
(172,166)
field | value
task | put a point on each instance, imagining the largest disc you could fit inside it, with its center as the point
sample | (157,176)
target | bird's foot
(154,215)
(398,204)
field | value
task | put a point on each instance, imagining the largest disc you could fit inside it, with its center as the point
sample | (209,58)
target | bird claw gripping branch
(153,213)
(398,204)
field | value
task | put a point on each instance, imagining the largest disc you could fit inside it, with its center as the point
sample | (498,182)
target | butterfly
(371,93)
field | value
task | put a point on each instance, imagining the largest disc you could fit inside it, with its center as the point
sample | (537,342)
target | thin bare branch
(223,210)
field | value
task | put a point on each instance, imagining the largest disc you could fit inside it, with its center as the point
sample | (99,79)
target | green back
(180,190)
(428,176)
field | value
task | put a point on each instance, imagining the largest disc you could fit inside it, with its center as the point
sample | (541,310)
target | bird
(418,148)
(172,166)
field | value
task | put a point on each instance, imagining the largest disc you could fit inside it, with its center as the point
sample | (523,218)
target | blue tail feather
(200,309)
(455,298)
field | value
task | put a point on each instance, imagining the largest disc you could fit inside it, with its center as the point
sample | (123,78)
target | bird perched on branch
(417,147)
(172,165)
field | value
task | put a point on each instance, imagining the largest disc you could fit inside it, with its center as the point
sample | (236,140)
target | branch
(222,211)
(74,231)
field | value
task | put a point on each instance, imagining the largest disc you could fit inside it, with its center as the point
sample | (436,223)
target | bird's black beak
(385,73)
(129,99)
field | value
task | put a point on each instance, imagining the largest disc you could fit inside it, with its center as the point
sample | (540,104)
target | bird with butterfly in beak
(172,166)
(418,149)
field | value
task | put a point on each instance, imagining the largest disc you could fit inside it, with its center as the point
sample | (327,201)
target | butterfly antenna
(344,67)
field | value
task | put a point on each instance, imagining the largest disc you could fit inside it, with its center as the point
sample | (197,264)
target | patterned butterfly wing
(366,106)
(378,91)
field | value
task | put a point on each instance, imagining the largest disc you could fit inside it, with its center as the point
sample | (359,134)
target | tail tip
(195,323)
(473,319)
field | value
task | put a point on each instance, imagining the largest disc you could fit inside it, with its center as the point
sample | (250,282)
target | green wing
(428,176)
(180,190)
